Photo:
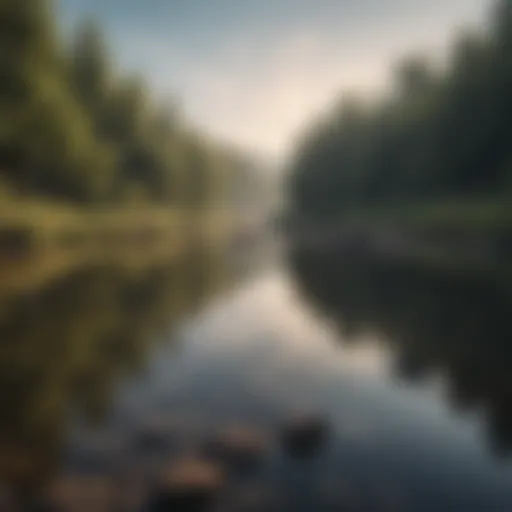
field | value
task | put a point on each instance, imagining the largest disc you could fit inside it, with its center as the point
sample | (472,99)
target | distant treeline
(439,135)
(72,128)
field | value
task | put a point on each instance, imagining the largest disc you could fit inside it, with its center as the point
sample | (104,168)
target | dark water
(409,365)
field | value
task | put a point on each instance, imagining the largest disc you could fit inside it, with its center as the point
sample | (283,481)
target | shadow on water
(68,343)
(448,322)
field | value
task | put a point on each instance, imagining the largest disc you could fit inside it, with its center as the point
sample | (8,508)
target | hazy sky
(253,72)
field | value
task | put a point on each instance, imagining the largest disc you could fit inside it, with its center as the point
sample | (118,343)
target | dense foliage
(72,128)
(440,135)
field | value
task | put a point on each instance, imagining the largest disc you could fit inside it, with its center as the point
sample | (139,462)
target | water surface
(98,355)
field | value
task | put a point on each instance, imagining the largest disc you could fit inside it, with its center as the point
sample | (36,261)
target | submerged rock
(79,493)
(304,435)
(237,448)
(190,484)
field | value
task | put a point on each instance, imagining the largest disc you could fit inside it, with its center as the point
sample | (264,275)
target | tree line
(442,133)
(73,128)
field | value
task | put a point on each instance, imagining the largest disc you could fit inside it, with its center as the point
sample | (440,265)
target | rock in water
(189,485)
(237,448)
(304,435)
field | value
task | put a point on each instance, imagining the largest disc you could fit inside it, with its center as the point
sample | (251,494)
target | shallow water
(252,355)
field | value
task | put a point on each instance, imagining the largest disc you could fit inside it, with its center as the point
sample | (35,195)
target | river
(97,356)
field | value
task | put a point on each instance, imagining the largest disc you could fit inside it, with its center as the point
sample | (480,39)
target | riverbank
(30,228)
(454,234)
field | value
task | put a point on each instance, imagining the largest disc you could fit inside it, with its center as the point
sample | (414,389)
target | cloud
(255,75)
(258,95)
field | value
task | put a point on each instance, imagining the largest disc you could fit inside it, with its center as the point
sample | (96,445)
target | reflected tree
(65,349)
(445,320)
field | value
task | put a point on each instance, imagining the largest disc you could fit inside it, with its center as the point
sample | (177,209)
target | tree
(44,136)
(437,135)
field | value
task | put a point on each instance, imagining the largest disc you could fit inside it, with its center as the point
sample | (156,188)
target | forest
(78,136)
(436,148)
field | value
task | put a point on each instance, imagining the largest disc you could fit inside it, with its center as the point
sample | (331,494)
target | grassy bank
(486,216)
(40,241)
(30,226)
(483,219)
(455,233)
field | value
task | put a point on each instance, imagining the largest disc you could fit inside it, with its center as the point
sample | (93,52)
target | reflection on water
(454,324)
(107,380)
(67,345)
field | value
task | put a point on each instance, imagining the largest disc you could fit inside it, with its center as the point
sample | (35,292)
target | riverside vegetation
(432,158)
(86,151)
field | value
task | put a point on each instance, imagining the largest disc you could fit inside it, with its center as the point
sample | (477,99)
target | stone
(188,485)
(237,448)
(304,435)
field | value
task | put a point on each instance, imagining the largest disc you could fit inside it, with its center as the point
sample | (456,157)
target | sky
(255,73)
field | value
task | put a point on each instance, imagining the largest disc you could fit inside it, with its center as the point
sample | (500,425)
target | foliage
(73,128)
(438,136)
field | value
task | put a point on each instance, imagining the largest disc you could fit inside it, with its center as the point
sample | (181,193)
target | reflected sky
(100,356)
(247,360)
(253,72)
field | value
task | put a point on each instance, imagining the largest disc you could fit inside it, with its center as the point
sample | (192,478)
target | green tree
(45,140)
(438,135)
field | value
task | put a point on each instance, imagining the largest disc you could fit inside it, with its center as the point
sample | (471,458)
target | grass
(35,225)
(455,232)
(484,215)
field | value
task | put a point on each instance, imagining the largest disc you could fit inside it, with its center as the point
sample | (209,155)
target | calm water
(408,365)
